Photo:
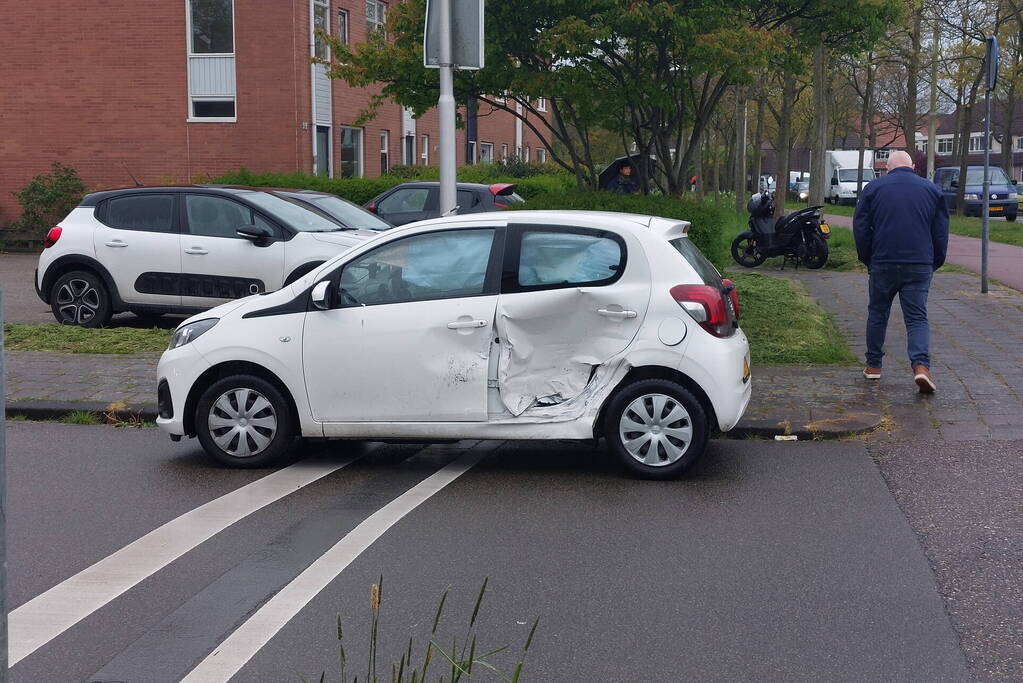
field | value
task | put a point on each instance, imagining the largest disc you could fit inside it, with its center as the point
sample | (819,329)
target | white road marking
(49,614)
(228,659)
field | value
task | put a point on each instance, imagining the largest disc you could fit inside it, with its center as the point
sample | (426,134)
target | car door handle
(617,315)
(463,324)
(198,251)
(117,244)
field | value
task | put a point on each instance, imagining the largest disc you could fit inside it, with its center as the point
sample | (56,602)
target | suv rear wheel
(80,298)
(657,428)
(244,421)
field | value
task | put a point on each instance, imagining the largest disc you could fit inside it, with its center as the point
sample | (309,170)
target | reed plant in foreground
(461,661)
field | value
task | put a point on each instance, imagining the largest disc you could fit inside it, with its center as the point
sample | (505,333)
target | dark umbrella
(611,172)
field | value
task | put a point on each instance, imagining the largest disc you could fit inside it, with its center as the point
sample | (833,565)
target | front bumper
(996,208)
(178,371)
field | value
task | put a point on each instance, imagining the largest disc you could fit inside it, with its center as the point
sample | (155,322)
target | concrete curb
(746,429)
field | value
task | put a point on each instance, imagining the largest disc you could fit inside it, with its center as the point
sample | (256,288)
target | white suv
(536,325)
(156,250)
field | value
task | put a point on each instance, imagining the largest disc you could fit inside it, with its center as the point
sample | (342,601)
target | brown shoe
(922,377)
(872,373)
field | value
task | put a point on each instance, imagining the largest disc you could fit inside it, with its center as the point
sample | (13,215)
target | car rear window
(704,268)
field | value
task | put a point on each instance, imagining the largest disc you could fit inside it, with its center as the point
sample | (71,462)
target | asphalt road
(772,561)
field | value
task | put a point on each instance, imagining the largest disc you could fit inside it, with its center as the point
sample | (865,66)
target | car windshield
(975,176)
(299,218)
(346,212)
(848,175)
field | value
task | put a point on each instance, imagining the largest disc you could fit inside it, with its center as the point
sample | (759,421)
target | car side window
(436,265)
(405,201)
(466,199)
(217,216)
(146,212)
(552,258)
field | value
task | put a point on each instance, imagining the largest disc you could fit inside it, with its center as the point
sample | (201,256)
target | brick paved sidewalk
(976,356)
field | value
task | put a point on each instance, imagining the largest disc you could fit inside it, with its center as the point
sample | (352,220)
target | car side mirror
(834,181)
(321,295)
(953,183)
(260,235)
(372,207)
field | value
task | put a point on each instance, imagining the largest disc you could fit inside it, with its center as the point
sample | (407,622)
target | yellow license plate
(745,370)
(996,208)
(825,228)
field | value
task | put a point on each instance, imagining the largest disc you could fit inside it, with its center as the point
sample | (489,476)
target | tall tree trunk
(698,169)
(909,118)
(758,146)
(715,167)
(819,145)
(932,126)
(866,114)
(784,143)
(965,125)
(739,168)
(1009,112)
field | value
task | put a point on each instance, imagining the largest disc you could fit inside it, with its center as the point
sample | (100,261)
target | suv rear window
(704,268)
(150,212)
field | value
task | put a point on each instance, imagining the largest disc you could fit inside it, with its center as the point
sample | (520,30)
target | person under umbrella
(623,182)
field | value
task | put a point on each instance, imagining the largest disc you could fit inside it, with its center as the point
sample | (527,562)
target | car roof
(669,228)
(93,198)
(436,183)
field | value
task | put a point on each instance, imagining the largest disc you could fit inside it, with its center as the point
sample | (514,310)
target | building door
(323,150)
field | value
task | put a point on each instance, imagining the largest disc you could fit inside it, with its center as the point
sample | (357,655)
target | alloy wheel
(78,301)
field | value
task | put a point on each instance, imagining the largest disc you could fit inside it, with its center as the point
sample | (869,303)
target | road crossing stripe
(49,614)
(239,647)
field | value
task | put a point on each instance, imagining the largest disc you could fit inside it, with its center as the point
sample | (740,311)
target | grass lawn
(72,339)
(784,325)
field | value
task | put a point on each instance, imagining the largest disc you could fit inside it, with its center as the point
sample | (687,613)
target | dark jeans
(911,281)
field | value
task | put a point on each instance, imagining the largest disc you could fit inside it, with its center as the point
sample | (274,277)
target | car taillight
(500,205)
(371,207)
(733,294)
(706,305)
(52,236)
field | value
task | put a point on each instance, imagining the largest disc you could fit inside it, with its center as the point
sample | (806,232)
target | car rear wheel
(657,428)
(244,421)
(80,298)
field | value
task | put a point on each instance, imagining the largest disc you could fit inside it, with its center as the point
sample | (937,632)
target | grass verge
(784,325)
(71,339)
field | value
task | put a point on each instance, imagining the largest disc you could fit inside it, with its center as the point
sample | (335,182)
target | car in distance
(351,216)
(536,325)
(419,201)
(1003,200)
(152,250)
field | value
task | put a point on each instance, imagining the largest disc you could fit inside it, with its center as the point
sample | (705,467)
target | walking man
(901,231)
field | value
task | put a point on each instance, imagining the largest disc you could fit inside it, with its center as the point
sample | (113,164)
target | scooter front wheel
(745,252)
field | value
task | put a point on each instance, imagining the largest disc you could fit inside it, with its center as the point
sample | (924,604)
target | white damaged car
(524,325)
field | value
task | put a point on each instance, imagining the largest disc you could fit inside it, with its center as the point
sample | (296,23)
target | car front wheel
(244,421)
(80,298)
(657,428)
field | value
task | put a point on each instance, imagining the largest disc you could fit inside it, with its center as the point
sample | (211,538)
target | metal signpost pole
(991,64)
(3,511)
(446,112)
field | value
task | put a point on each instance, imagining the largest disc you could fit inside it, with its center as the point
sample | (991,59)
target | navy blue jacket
(901,218)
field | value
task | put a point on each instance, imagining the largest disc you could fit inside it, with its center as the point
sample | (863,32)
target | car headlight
(190,332)
(971,196)
(803,195)
(1013,195)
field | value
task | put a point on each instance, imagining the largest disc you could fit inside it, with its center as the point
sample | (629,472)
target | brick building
(172,90)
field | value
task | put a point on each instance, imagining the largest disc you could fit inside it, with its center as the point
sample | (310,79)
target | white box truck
(840,172)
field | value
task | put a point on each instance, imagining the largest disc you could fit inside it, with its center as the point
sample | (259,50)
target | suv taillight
(733,294)
(706,305)
(52,236)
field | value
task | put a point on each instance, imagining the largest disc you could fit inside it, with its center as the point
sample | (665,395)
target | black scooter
(800,236)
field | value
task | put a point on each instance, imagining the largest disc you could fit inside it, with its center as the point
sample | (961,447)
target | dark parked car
(350,215)
(1003,198)
(800,191)
(410,202)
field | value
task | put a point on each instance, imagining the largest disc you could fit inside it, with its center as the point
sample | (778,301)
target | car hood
(224,309)
(346,238)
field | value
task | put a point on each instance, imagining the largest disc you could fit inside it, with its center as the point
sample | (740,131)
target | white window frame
(408,157)
(377,22)
(541,155)
(343,26)
(882,154)
(189,56)
(977,143)
(504,152)
(541,104)
(472,151)
(487,146)
(325,5)
(385,150)
(360,170)
(943,146)
(424,151)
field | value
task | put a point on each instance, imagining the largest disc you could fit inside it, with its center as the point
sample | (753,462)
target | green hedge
(708,222)
(361,190)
